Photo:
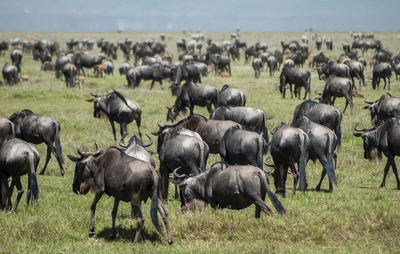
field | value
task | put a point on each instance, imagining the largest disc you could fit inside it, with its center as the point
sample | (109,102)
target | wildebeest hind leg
(395,173)
(140,221)
(4,191)
(261,206)
(17,183)
(113,216)
(295,177)
(53,150)
(385,171)
(48,155)
(318,188)
(164,216)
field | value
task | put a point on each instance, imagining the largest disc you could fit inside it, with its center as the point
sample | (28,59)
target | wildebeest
(82,59)
(356,70)
(336,69)
(251,119)
(3,47)
(123,68)
(39,129)
(6,128)
(210,131)
(180,148)
(250,52)
(60,62)
(298,57)
(319,60)
(396,69)
(381,70)
(187,72)
(118,108)
(318,43)
(123,177)
(193,94)
(299,77)
(386,107)
(69,70)
(322,147)
(329,44)
(289,145)
(17,157)
(231,96)
(10,74)
(221,63)
(155,72)
(257,67)
(136,149)
(235,187)
(16,58)
(337,87)
(382,139)
(320,113)
(272,65)
(242,147)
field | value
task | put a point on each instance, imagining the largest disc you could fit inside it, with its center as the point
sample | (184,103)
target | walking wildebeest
(10,74)
(17,157)
(322,147)
(242,147)
(82,59)
(386,107)
(381,70)
(320,113)
(289,145)
(180,148)
(39,129)
(337,87)
(123,177)
(231,96)
(257,67)
(235,187)
(299,77)
(16,58)
(382,139)
(192,94)
(117,108)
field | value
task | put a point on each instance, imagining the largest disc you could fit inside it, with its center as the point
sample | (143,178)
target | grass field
(357,217)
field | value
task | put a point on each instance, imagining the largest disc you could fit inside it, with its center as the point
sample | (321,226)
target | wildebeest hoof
(170,242)
(112,236)
(383,185)
(91,233)
(318,188)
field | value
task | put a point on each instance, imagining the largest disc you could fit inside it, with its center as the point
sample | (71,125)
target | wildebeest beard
(87,186)
(195,205)
(375,153)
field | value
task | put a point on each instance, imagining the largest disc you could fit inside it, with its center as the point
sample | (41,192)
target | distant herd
(237,133)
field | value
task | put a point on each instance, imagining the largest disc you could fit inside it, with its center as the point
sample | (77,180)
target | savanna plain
(357,217)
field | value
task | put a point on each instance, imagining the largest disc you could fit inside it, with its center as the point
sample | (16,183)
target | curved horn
(269,165)
(94,95)
(369,102)
(176,173)
(159,124)
(79,151)
(362,130)
(97,147)
(151,141)
(121,141)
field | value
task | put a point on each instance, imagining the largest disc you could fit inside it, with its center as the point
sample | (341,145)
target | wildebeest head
(99,105)
(85,167)
(369,136)
(173,113)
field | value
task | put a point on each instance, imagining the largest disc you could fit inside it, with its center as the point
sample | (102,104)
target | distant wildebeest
(187,72)
(235,187)
(156,72)
(336,69)
(386,107)
(356,70)
(382,139)
(376,44)
(6,128)
(48,66)
(257,67)
(82,59)
(396,69)
(319,60)
(123,68)
(123,177)
(320,113)
(250,52)
(299,77)
(298,58)
(39,129)
(358,44)
(234,53)
(272,65)
(10,74)
(193,94)
(16,58)
(17,157)
(337,87)
(318,43)
(3,47)
(231,96)
(288,146)
(381,70)
(69,70)
(329,44)
(109,67)
(118,108)
(242,147)
(322,147)
(180,148)
(60,62)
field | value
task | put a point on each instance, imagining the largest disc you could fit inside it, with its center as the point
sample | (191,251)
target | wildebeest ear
(357,134)
(90,100)
(73,158)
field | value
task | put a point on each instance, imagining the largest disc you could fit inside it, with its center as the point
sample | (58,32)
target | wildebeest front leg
(113,129)
(140,221)
(123,129)
(113,216)
(93,211)
(291,91)
(4,191)
(395,172)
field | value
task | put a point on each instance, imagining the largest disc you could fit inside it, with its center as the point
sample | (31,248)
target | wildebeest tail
(265,129)
(309,86)
(274,199)
(338,130)
(33,162)
(154,208)
(58,143)
(260,153)
(330,170)
(302,164)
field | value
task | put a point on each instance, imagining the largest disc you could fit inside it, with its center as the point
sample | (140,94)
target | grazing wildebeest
(251,119)
(377,45)
(60,62)
(235,187)
(16,58)
(337,87)
(358,44)
(123,177)
(298,57)
(381,70)
(39,129)
(356,70)
(136,149)
(17,157)
(156,72)
(69,70)
(320,113)
(242,147)
(123,68)
(48,66)
(322,147)
(82,59)
(117,108)
(180,148)
(257,67)
(289,145)
(192,94)
(231,96)
(221,63)
(210,131)
(299,77)
(382,139)
(386,107)
(10,74)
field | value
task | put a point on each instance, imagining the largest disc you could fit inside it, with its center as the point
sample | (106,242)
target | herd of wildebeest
(237,133)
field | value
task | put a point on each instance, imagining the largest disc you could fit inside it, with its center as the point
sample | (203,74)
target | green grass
(357,217)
